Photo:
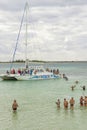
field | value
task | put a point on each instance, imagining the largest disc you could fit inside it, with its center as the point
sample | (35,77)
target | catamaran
(28,72)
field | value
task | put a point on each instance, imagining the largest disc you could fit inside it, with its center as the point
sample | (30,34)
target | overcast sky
(57,30)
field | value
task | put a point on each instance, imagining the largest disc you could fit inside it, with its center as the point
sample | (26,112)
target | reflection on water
(14,115)
(15,122)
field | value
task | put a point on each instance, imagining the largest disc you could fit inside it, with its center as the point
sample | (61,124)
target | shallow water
(37,109)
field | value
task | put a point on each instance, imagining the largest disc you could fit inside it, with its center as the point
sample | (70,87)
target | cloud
(56,30)
(11,5)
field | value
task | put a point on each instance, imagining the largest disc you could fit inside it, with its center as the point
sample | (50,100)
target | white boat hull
(28,77)
(36,77)
(8,77)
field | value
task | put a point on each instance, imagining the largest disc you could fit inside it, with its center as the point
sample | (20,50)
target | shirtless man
(81,101)
(65,103)
(72,102)
(85,101)
(14,105)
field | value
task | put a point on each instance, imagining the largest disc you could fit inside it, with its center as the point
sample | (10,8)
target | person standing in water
(65,103)
(72,87)
(83,87)
(85,101)
(72,102)
(14,105)
(58,103)
(81,101)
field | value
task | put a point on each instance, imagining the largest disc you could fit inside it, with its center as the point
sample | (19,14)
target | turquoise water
(37,109)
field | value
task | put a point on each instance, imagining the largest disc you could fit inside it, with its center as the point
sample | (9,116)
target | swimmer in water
(14,105)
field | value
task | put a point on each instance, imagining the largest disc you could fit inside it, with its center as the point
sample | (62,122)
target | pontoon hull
(7,77)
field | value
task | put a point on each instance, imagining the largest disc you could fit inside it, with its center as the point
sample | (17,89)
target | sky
(57,30)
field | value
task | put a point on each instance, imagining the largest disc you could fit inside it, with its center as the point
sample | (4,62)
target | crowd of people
(76,82)
(71,102)
(66,103)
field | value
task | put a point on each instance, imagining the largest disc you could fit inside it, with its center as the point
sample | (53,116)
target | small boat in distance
(28,72)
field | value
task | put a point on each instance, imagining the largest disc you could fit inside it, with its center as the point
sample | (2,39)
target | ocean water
(37,109)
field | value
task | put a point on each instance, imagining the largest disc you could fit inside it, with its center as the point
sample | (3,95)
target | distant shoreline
(44,61)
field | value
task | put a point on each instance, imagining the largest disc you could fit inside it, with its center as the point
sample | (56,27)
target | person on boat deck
(57,71)
(13,71)
(7,72)
(14,105)
(19,71)
(31,72)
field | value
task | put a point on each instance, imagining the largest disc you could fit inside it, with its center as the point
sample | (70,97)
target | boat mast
(26,42)
(17,40)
